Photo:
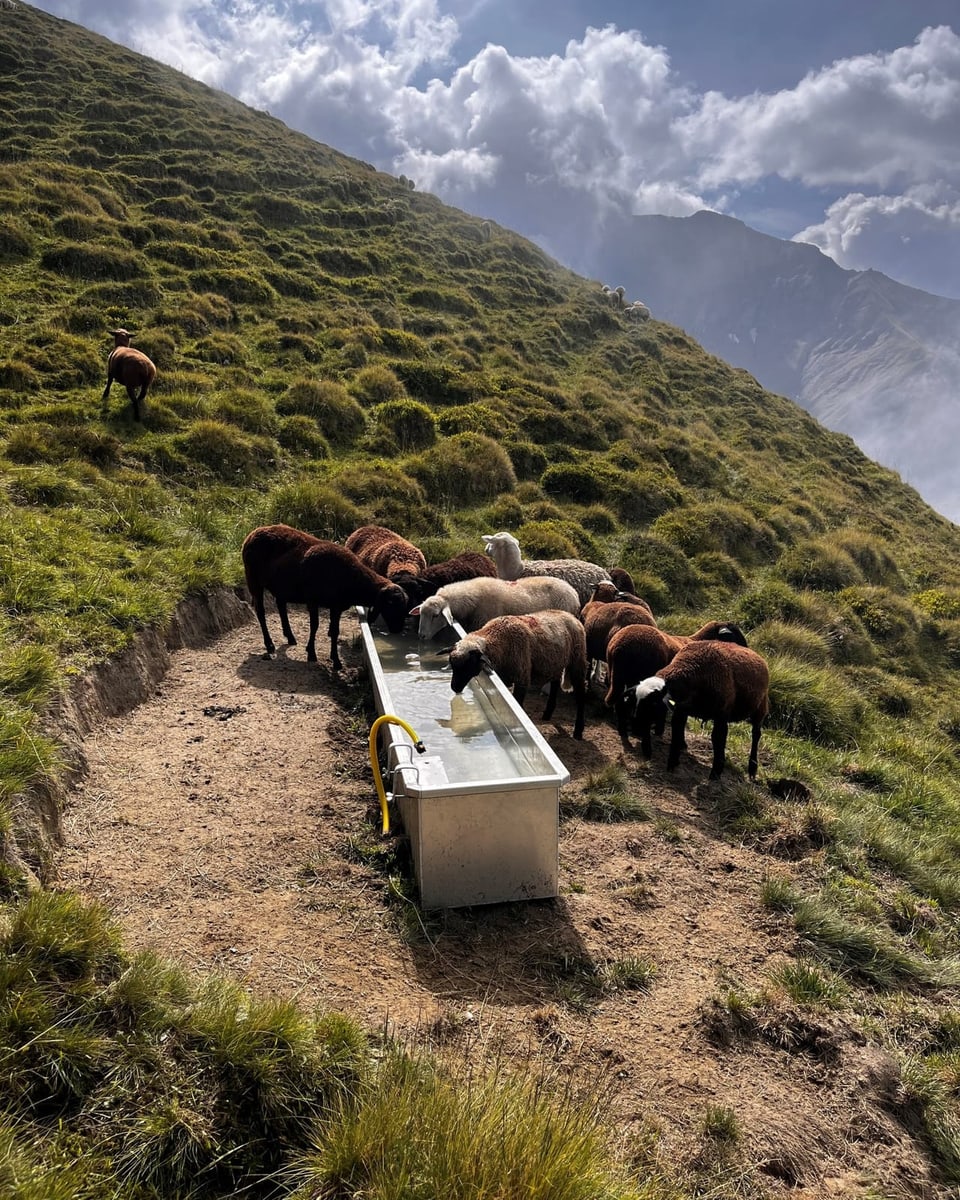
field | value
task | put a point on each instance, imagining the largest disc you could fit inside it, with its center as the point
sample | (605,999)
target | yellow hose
(388,719)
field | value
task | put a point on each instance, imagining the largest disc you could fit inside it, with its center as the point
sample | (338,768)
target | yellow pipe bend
(388,719)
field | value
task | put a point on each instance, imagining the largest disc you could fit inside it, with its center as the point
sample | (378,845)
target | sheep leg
(285,622)
(262,618)
(334,631)
(520,693)
(139,400)
(551,699)
(134,400)
(314,611)
(719,739)
(677,743)
(754,744)
(623,719)
(106,390)
(580,695)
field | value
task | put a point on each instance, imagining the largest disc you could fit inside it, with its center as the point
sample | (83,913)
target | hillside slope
(862,353)
(334,348)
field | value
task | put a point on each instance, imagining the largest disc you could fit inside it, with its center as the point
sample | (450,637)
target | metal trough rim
(398,738)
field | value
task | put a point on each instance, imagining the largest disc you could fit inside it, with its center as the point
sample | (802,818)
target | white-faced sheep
(486,231)
(471,564)
(504,549)
(131,368)
(637,311)
(298,568)
(390,555)
(713,681)
(635,652)
(474,602)
(528,651)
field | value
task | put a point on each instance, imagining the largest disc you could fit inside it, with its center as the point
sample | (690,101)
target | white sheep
(532,650)
(504,549)
(486,231)
(474,602)
(637,311)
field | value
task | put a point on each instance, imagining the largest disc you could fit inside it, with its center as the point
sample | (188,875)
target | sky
(835,122)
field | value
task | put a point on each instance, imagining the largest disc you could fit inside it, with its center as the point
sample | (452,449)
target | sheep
(130,367)
(713,681)
(301,569)
(471,564)
(486,230)
(618,294)
(504,549)
(528,650)
(604,613)
(636,651)
(390,555)
(623,579)
(474,602)
(637,311)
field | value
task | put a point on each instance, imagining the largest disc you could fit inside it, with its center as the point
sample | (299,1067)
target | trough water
(476,736)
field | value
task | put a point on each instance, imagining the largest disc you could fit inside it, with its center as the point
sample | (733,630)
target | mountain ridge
(869,356)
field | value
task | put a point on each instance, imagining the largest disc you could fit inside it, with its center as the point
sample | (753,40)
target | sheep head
(467,659)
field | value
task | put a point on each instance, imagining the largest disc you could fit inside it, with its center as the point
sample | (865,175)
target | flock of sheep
(535,623)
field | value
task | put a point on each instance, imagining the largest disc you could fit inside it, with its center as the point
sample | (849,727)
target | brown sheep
(713,681)
(637,651)
(298,568)
(131,368)
(390,555)
(528,650)
(607,611)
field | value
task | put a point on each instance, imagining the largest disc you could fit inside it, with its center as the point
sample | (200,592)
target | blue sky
(837,122)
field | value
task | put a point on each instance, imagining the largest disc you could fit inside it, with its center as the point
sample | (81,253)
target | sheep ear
(415,612)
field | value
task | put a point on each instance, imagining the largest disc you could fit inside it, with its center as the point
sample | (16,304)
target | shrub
(159,346)
(888,619)
(240,287)
(556,539)
(65,361)
(315,508)
(529,461)
(94,262)
(475,418)
(225,451)
(410,423)
(723,526)
(820,564)
(17,376)
(16,240)
(301,435)
(664,567)
(943,603)
(890,695)
(435,382)
(792,640)
(464,469)
(226,349)
(878,566)
(377,385)
(339,416)
(598,519)
(814,702)
(247,410)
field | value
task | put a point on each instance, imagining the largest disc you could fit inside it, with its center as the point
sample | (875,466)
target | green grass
(335,347)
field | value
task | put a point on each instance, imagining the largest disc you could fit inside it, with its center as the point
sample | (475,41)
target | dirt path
(224,821)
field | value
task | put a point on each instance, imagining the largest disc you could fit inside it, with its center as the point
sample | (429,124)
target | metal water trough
(481,806)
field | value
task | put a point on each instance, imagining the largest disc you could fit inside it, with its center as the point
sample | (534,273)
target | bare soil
(219,820)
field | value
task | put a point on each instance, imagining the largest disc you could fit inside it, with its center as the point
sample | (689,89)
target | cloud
(916,236)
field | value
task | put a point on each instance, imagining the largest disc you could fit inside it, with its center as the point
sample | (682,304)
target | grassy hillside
(334,347)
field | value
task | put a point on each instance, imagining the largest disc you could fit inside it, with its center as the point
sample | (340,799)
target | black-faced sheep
(637,651)
(471,564)
(390,555)
(298,568)
(504,549)
(474,602)
(528,651)
(131,368)
(713,681)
